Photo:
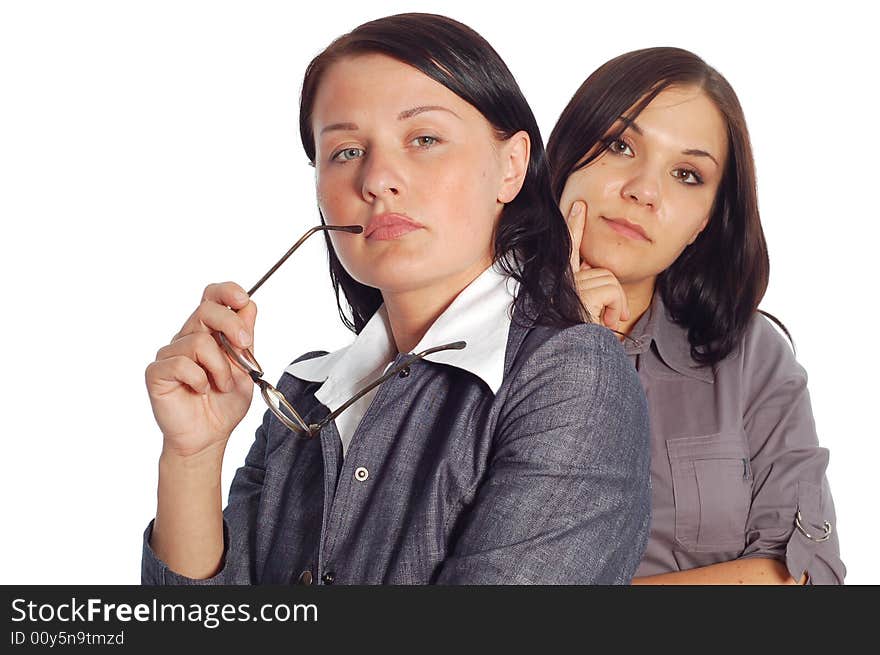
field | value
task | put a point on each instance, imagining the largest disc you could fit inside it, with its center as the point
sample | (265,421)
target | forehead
(381,85)
(685,116)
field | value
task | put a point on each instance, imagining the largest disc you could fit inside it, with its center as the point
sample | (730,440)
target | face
(417,166)
(650,193)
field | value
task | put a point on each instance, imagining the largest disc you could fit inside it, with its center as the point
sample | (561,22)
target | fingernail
(577,208)
(244,338)
(242,296)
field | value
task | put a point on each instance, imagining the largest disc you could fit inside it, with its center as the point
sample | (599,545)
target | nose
(643,189)
(382,177)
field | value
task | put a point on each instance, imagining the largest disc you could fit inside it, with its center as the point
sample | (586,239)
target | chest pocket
(712,488)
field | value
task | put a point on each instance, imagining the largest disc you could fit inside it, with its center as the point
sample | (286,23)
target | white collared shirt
(479,316)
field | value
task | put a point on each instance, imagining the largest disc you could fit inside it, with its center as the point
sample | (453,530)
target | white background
(149,148)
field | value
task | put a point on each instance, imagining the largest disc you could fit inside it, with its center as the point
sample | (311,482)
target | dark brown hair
(714,287)
(531,241)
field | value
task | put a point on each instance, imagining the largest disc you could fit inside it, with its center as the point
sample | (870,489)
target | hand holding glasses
(276,401)
(197,394)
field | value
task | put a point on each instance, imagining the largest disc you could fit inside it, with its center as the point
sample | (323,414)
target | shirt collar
(480,315)
(656,326)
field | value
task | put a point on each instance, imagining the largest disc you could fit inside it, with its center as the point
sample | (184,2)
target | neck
(413,311)
(638,299)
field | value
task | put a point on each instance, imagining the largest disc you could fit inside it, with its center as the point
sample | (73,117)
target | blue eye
(620,147)
(687,176)
(347,154)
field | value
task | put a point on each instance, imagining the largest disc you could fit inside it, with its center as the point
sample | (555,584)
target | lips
(626,228)
(390,226)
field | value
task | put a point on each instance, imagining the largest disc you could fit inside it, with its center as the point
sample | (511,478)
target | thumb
(248,314)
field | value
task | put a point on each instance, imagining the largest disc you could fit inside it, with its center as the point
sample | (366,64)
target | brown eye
(425,141)
(687,176)
(620,147)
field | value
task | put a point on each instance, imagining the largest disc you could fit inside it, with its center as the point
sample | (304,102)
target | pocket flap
(712,446)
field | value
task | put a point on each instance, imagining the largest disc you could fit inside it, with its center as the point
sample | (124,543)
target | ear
(515,153)
(699,229)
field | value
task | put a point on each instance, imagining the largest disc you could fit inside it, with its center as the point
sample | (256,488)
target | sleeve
(566,499)
(239,527)
(788,465)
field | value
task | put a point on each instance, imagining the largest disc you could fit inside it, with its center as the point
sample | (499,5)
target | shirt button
(328,577)
(404,373)
(361,474)
(305,577)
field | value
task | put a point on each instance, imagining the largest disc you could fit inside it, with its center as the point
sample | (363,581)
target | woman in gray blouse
(652,165)
(476,430)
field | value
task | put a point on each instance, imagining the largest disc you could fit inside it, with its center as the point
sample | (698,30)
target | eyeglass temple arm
(456,345)
(354,229)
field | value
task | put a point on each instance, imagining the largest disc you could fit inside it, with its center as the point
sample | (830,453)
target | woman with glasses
(651,163)
(477,430)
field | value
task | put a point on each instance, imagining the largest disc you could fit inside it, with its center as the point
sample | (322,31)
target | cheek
(333,196)
(339,206)
(464,197)
(684,217)
(591,185)
(471,173)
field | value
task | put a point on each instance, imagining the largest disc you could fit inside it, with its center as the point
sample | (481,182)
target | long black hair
(714,287)
(531,241)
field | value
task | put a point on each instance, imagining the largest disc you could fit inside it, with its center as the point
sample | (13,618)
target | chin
(607,260)
(399,270)
(396,277)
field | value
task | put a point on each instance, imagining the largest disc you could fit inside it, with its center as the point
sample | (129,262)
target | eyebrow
(689,151)
(700,153)
(415,111)
(350,127)
(402,116)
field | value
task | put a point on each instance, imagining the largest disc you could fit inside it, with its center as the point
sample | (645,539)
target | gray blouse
(736,464)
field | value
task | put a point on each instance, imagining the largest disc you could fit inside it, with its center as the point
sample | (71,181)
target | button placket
(346,498)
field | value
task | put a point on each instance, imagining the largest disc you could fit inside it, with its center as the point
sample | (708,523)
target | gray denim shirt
(735,454)
(547,481)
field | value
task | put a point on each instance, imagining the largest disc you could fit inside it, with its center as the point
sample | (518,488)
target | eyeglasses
(276,401)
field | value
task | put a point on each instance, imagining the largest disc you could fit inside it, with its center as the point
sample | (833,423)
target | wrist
(207,462)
